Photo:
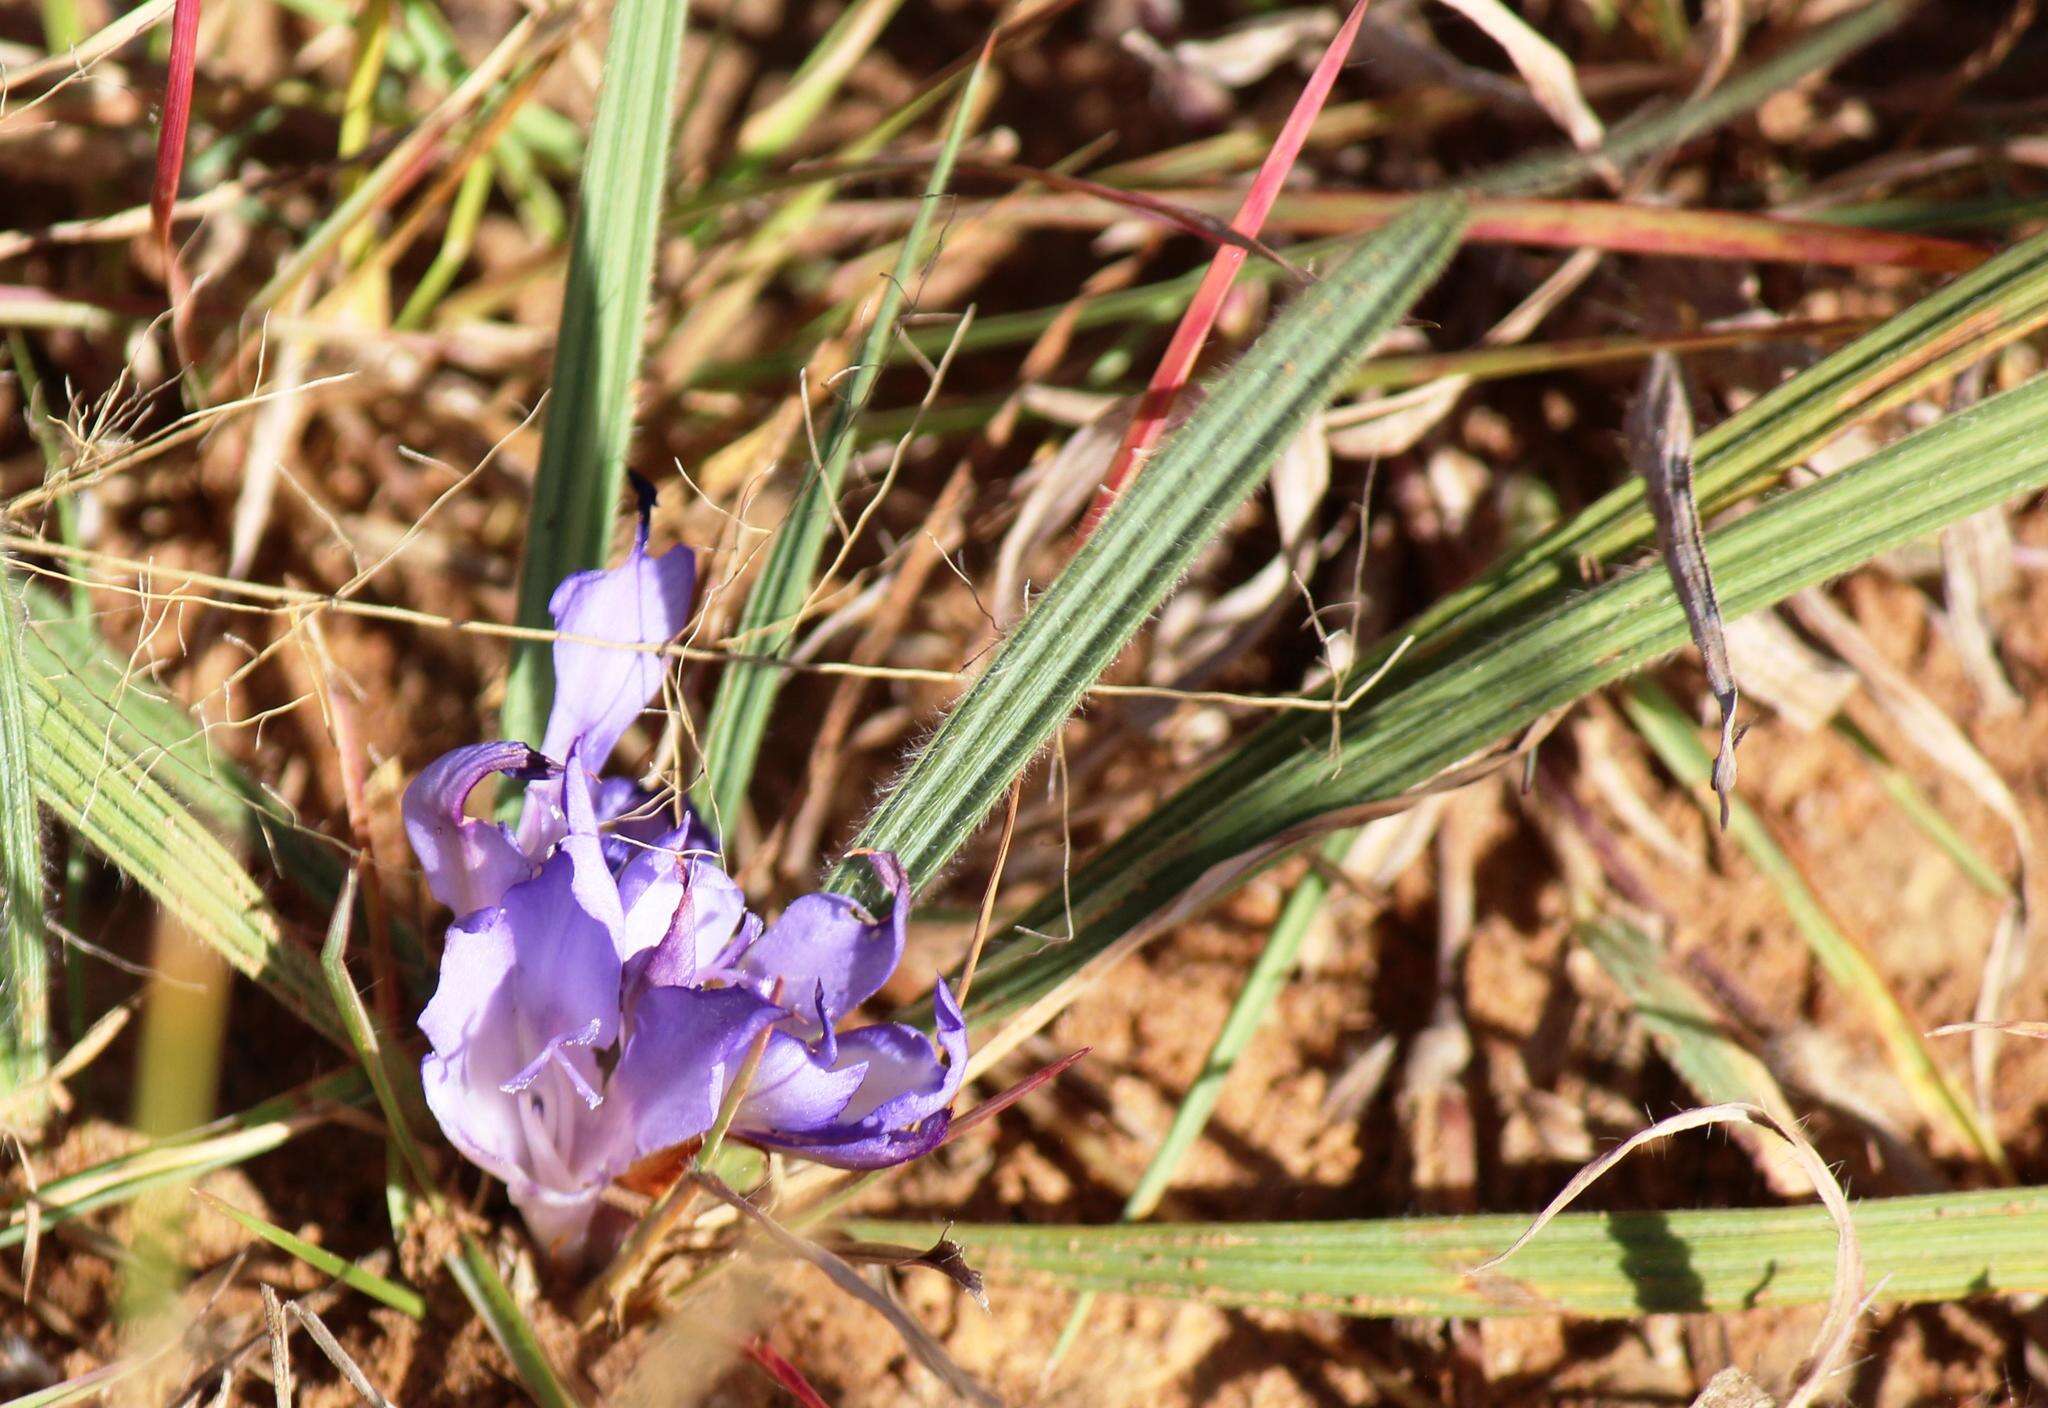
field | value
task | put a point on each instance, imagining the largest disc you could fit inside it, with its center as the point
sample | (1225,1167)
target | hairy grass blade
(112,799)
(747,691)
(1116,581)
(134,721)
(1439,706)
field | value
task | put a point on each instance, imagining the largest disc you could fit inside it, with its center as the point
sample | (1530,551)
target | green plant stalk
(399,1296)
(473,1271)
(1442,703)
(24,979)
(1685,1028)
(1269,973)
(1196,480)
(747,691)
(468,209)
(1921,810)
(599,340)
(1670,735)
(1951,1246)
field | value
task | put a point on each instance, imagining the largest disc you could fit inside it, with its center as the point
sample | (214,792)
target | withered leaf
(1660,435)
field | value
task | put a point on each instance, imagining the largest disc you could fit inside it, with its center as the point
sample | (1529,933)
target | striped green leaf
(24,975)
(107,791)
(747,691)
(1187,491)
(1610,1265)
(598,341)
(68,652)
(1443,702)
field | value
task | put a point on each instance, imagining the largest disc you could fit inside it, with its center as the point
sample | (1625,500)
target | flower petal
(795,1091)
(684,927)
(827,941)
(476,1049)
(601,689)
(902,1106)
(684,1049)
(469,863)
(565,971)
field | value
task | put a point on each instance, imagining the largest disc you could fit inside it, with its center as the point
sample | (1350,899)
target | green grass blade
(110,797)
(1269,973)
(1686,1029)
(369,1047)
(1454,700)
(1198,477)
(400,1297)
(1965,321)
(1672,737)
(134,721)
(598,342)
(774,129)
(24,966)
(1949,1246)
(747,691)
(1920,809)
(1254,1001)
(1656,132)
(189,1156)
(485,1289)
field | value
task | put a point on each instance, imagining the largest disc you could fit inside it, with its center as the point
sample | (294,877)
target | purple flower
(604,984)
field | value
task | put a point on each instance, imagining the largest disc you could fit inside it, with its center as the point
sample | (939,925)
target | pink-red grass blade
(1179,362)
(170,146)
(785,1374)
(996,1104)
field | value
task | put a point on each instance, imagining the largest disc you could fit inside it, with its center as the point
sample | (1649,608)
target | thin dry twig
(919,1340)
(1831,1342)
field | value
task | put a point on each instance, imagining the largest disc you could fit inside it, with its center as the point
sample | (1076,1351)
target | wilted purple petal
(469,864)
(685,1048)
(901,1108)
(827,941)
(600,689)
